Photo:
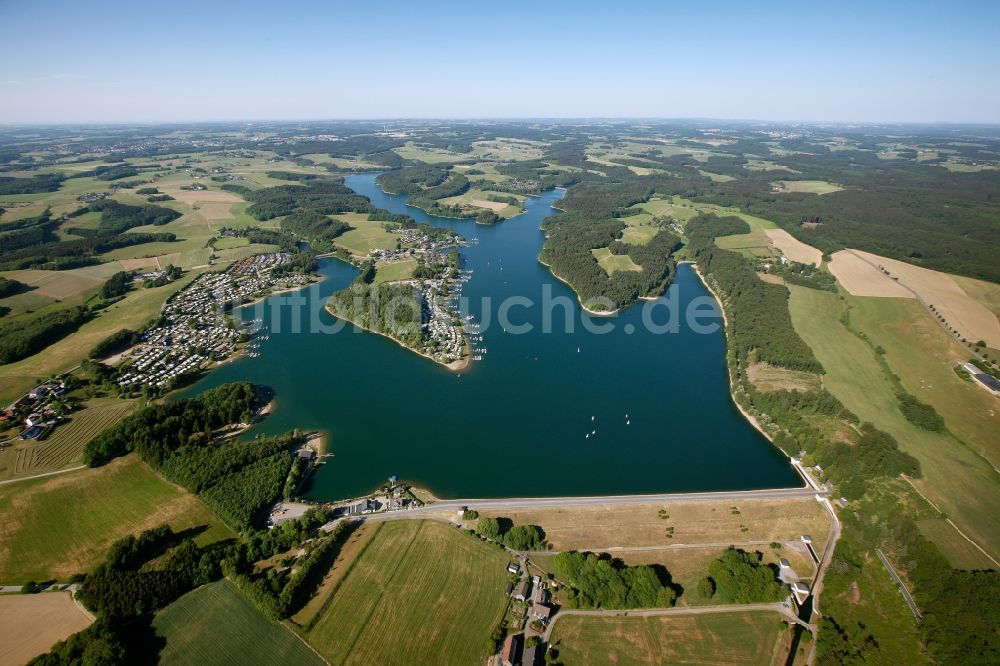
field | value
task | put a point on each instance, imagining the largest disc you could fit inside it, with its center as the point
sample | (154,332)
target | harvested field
(138,264)
(216,211)
(611,526)
(495,206)
(722,638)
(770,378)
(58,285)
(348,553)
(30,624)
(199,196)
(793,248)
(66,443)
(860,278)
(421,592)
(964,313)
(807,186)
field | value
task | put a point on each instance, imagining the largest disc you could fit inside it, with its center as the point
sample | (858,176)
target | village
(39,410)
(194,329)
(444,339)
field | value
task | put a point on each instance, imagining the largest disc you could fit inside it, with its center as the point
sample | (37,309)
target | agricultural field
(758,638)
(216,624)
(766,165)
(716,177)
(957,479)
(365,236)
(608,527)
(793,248)
(614,262)
(395,271)
(807,186)
(64,447)
(475,200)
(30,624)
(53,527)
(964,313)
(419,589)
(772,378)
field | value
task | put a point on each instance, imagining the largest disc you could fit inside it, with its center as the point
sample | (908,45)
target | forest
(759,310)
(326,197)
(29,333)
(392,309)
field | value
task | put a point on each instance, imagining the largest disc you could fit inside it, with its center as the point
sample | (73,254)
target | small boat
(594,433)
(577,350)
(592,418)
(628,423)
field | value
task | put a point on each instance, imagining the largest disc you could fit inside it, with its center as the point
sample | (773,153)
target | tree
(488,528)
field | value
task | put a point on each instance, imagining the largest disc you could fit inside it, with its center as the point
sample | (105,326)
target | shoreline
(606,313)
(751,419)
(454,366)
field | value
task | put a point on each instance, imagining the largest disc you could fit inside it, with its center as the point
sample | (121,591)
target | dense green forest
(324,196)
(27,334)
(46,182)
(395,310)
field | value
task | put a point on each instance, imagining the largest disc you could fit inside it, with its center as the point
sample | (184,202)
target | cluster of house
(194,329)
(444,336)
(35,410)
(91,197)
(535,592)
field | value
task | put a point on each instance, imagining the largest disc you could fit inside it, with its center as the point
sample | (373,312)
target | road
(780,608)
(619,500)
(899,584)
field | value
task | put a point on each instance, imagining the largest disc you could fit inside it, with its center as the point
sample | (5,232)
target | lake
(655,405)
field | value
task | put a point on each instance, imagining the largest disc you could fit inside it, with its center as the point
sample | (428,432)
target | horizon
(893,64)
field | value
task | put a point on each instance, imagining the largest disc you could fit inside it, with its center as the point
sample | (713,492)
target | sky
(140,61)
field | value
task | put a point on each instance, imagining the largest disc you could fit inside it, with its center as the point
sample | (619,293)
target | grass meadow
(53,527)
(420,592)
(215,624)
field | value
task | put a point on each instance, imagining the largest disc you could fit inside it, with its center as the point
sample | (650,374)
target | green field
(421,592)
(215,624)
(809,186)
(365,236)
(614,262)
(466,199)
(958,480)
(53,527)
(718,638)
(638,235)
(395,271)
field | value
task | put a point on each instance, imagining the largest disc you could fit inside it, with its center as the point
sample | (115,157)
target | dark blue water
(514,423)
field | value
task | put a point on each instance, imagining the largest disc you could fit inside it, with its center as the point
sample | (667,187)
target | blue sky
(97,61)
